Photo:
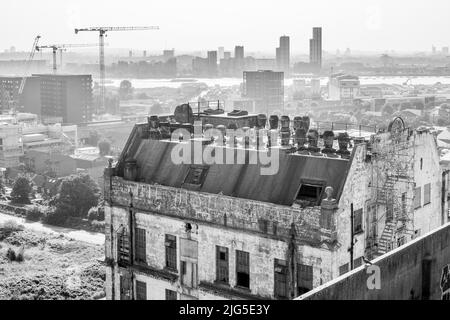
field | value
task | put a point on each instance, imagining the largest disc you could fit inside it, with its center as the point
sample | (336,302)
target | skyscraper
(315,48)
(238,60)
(283,55)
(221,52)
(239,52)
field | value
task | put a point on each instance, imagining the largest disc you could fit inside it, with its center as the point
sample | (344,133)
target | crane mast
(102,34)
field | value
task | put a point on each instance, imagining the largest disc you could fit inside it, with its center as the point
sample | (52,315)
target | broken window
(280,279)
(196,175)
(171,252)
(242,269)
(310,193)
(417,198)
(171,295)
(357,221)
(188,262)
(140,245)
(123,248)
(141,290)
(427,194)
(189,274)
(304,278)
(222,264)
(125,288)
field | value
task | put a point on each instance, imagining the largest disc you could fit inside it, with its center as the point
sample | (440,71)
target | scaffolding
(392,182)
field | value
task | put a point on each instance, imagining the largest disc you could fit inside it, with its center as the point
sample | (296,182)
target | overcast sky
(369,25)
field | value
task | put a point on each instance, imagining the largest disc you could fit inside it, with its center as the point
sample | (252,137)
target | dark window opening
(222,264)
(171,252)
(263,225)
(280,279)
(141,247)
(242,269)
(304,278)
(125,288)
(310,193)
(123,248)
(171,295)
(343,269)
(357,221)
(196,175)
(141,290)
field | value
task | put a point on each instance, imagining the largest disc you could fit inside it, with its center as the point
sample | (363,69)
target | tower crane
(62,47)
(102,31)
(16,101)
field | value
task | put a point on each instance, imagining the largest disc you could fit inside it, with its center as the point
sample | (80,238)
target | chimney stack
(285,130)
(313,137)
(328,140)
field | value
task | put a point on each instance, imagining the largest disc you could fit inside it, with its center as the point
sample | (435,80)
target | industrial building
(266,87)
(343,87)
(211,231)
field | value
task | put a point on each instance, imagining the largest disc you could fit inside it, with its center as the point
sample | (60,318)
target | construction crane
(4,95)
(102,34)
(28,63)
(62,47)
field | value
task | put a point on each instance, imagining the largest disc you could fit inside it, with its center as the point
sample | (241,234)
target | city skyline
(375,26)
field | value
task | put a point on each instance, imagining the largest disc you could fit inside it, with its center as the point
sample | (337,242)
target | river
(79,235)
(228,82)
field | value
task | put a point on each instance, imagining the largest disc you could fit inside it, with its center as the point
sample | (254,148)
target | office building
(315,48)
(266,87)
(66,98)
(283,55)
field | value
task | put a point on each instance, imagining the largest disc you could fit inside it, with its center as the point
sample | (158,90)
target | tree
(21,191)
(156,109)
(76,195)
(104,147)
(125,90)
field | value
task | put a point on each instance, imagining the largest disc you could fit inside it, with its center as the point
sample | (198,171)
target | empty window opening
(280,279)
(304,278)
(310,193)
(196,175)
(171,252)
(222,264)
(242,269)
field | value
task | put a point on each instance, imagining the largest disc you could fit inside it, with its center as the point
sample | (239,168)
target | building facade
(266,87)
(66,98)
(342,87)
(209,231)
(315,48)
(283,53)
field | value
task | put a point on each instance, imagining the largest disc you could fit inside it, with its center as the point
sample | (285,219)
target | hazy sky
(402,25)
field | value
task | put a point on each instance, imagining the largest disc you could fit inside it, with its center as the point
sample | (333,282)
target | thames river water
(227,82)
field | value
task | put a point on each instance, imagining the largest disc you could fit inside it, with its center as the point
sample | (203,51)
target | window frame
(305,277)
(426,194)
(141,290)
(171,295)
(170,244)
(311,183)
(189,182)
(140,245)
(280,279)
(222,265)
(417,195)
(242,267)
(358,217)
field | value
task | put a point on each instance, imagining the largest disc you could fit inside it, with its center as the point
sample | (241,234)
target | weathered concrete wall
(263,251)
(240,214)
(401,273)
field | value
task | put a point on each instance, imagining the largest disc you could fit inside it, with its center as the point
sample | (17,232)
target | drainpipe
(131,242)
(292,262)
(352,237)
(443,196)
